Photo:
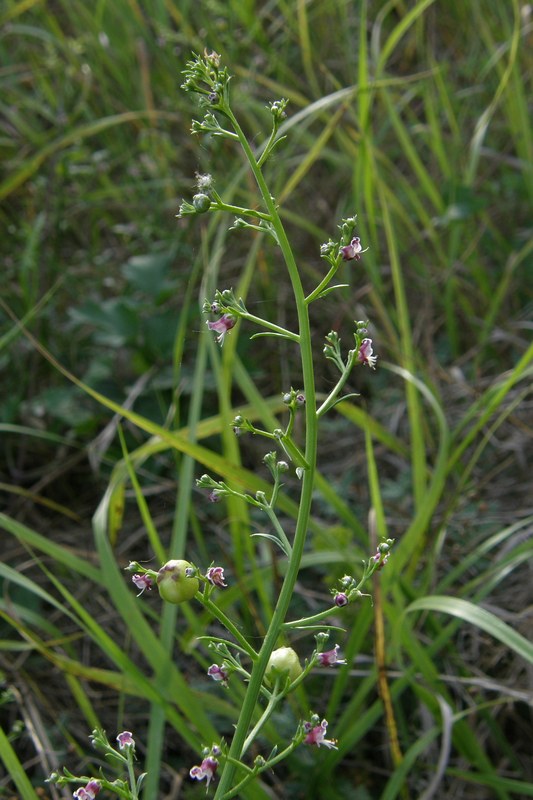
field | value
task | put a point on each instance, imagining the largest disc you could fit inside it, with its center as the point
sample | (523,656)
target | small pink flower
(329,658)
(316,735)
(219,674)
(380,558)
(222,326)
(88,792)
(215,576)
(142,582)
(364,356)
(125,739)
(340,599)
(206,770)
(352,250)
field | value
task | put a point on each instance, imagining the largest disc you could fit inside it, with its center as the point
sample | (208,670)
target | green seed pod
(283,661)
(201,202)
(174,585)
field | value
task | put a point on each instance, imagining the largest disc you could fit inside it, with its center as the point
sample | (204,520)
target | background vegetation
(114,397)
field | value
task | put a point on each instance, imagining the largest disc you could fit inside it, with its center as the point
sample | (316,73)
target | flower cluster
(124,755)
(350,588)
(204,76)
(382,554)
(207,769)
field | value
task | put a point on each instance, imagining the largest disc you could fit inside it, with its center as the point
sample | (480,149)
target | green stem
(293,451)
(287,589)
(267,713)
(244,212)
(278,528)
(270,325)
(304,622)
(330,399)
(131,775)
(235,792)
(323,283)
(227,623)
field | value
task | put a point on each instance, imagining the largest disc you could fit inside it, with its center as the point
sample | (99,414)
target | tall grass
(416,117)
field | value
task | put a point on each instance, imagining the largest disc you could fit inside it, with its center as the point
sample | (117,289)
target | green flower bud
(201,202)
(174,585)
(283,661)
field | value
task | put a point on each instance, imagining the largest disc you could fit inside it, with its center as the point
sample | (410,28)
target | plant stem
(330,399)
(277,527)
(254,687)
(263,323)
(228,624)
(267,713)
(323,283)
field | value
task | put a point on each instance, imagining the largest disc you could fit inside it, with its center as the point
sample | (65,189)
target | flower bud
(283,661)
(340,599)
(174,585)
(201,202)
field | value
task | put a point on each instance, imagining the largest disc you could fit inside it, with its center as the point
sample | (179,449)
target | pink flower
(352,250)
(222,326)
(125,739)
(142,582)
(219,674)
(88,792)
(316,734)
(364,356)
(207,770)
(329,658)
(380,558)
(215,576)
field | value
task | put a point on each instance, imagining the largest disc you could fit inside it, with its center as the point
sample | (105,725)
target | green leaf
(15,769)
(273,539)
(475,615)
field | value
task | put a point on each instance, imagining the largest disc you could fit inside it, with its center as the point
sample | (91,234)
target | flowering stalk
(228,305)
(239,740)
(304,339)
(206,77)
(125,755)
